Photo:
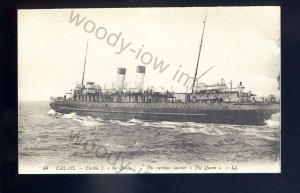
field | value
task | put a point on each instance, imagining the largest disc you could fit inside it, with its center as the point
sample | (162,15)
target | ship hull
(217,113)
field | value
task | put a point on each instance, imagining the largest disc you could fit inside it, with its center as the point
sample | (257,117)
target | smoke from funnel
(120,79)
(140,75)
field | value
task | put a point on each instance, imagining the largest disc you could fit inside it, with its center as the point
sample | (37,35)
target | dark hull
(238,114)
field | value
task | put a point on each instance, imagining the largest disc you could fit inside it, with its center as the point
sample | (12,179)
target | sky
(242,43)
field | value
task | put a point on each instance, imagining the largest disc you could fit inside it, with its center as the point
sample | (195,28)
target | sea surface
(48,137)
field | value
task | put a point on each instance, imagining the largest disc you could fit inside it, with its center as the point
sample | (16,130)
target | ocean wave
(122,123)
(114,121)
(126,124)
(137,143)
(68,116)
(272,123)
(172,123)
(204,130)
(51,112)
(264,137)
(87,121)
(162,124)
(135,121)
(108,145)
(265,133)
(99,119)
(158,125)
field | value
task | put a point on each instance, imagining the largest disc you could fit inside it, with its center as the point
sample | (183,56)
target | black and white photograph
(149,90)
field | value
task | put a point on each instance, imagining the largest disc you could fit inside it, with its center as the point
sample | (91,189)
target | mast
(195,77)
(87,45)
